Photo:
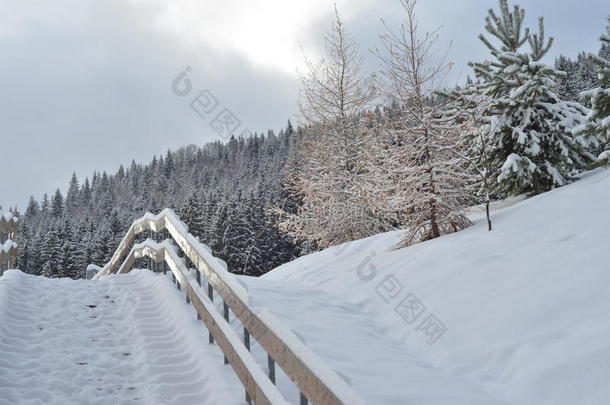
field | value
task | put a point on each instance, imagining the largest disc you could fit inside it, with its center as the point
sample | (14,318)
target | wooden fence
(317,383)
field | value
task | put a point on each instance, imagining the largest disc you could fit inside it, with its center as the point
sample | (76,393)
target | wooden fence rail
(316,382)
(259,388)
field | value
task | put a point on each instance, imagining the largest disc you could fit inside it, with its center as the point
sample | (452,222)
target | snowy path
(126,339)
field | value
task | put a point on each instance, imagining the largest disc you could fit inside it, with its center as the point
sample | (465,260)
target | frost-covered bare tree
(416,173)
(469,111)
(335,95)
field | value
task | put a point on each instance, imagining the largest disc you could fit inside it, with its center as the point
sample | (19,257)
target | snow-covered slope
(521,313)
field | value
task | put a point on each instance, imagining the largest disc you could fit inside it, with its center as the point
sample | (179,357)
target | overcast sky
(86,84)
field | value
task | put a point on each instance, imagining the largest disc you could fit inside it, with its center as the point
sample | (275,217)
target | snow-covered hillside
(521,314)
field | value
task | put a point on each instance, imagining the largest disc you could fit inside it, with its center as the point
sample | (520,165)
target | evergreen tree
(169,164)
(83,246)
(72,198)
(238,240)
(57,204)
(44,206)
(33,209)
(86,194)
(532,145)
(580,75)
(68,255)
(24,241)
(51,253)
(598,121)
(103,247)
(220,224)
(192,215)
(567,87)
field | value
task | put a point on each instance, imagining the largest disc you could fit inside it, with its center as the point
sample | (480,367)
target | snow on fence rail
(317,382)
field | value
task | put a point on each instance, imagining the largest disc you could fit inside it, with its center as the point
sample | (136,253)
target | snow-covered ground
(121,340)
(521,313)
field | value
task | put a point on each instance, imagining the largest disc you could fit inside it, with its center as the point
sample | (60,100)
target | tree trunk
(488,216)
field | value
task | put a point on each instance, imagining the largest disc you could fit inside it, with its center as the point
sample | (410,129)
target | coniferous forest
(220,190)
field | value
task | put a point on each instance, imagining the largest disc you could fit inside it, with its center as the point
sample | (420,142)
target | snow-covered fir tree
(191,214)
(533,148)
(598,119)
(580,74)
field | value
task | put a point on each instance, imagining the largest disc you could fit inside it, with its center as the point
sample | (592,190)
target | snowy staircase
(317,383)
(124,340)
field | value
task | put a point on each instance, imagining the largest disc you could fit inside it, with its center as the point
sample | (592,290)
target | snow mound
(521,313)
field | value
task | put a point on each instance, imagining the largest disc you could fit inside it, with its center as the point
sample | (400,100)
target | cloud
(90,89)
(86,83)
